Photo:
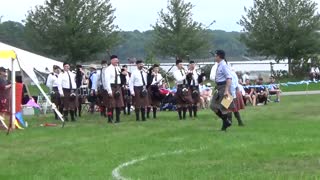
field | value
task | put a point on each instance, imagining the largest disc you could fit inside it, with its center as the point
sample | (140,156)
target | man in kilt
(155,80)
(125,79)
(223,79)
(138,89)
(193,82)
(237,98)
(112,82)
(52,84)
(67,90)
(183,95)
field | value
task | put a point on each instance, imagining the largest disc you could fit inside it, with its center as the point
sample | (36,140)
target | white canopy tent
(16,59)
(29,61)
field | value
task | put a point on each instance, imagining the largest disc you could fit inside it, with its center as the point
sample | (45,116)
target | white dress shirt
(52,80)
(136,80)
(157,79)
(213,72)
(194,81)
(64,83)
(110,77)
(180,76)
(245,77)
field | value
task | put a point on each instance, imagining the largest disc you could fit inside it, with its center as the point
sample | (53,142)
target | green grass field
(279,141)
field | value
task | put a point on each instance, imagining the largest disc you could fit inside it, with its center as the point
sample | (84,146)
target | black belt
(182,86)
(69,90)
(221,83)
(115,85)
(55,88)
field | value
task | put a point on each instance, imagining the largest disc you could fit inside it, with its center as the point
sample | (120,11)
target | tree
(73,29)
(176,34)
(286,29)
(12,33)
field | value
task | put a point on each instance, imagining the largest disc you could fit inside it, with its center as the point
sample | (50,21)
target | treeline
(132,44)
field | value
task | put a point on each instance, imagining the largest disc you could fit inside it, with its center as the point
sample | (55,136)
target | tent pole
(13,94)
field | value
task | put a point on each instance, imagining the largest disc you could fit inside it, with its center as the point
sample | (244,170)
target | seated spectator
(205,96)
(261,92)
(249,93)
(274,89)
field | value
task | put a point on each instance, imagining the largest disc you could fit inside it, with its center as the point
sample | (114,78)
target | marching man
(67,90)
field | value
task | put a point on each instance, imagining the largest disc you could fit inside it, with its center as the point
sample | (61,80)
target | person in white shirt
(193,82)
(155,80)
(138,89)
(317,72)
(183,95)
(237,98)
(52,84)
(67,90)
(245,76)
(112,84)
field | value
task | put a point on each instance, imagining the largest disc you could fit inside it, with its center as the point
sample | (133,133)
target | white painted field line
(116,172)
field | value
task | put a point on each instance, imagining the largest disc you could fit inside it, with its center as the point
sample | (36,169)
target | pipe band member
(183,95)
(155,80)
(193,82)
(52,84)
(113,88)
(67,90)
(138,89)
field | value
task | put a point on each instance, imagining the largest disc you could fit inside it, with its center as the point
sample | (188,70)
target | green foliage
(12,33)
(176,34)
(72,29)
(286,29)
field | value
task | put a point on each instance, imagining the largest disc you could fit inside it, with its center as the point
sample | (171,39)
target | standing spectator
(245,76)
(4,87)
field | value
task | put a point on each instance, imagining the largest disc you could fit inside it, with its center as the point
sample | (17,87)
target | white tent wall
(29,61)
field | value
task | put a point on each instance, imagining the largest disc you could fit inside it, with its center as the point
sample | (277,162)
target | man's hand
(92,93)
(132,94)
(61,95)
(226,94)
(110,94)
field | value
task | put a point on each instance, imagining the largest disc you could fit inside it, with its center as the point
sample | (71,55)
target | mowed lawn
(279,141)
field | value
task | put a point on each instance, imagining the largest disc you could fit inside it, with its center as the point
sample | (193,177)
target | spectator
(313,73)
(249,93)
(317,73)
(205,95)
(245,76)
(261,92)
(4,92)
(274,89)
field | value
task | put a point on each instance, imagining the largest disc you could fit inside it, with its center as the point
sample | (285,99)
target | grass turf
(279,141)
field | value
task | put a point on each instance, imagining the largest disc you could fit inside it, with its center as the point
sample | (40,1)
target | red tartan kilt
(238,102)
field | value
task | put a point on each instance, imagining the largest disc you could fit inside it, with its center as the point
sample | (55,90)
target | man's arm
(131,84)
(60,84)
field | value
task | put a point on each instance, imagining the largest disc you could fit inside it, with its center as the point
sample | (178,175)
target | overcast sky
(140,14)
